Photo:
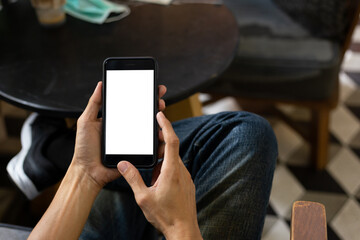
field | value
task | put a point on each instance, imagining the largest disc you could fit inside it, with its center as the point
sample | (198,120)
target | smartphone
(129,111)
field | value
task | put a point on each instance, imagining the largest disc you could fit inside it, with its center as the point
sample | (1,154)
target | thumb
(132,176)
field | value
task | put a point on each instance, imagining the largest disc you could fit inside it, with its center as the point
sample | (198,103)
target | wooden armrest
(308,221)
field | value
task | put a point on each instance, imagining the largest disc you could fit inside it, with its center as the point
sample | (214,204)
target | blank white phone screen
(129,112)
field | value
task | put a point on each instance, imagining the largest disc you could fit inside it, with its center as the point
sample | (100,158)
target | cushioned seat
(13,232)
(277,57)
(290,52)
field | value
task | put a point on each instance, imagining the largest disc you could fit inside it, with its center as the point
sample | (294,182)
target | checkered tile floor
(337,187)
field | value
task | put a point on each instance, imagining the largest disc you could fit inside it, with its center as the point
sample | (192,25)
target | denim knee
(229,139)
(235,155)
(255,135)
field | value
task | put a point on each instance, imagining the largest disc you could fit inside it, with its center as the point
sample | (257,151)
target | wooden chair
(308,221)
(288,56)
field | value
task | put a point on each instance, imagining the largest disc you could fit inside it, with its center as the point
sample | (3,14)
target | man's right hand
(169,204)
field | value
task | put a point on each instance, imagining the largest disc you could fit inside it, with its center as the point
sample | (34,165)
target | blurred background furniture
(290,52)
(308,221)
(54,71)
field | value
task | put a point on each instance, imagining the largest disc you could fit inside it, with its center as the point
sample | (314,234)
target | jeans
(231,157)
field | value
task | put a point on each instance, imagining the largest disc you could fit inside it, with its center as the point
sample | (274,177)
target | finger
(171,140)
(162,105)
(162,90)
(92,109)
(132,176)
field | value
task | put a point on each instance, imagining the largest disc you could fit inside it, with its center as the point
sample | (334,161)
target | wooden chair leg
(308,221)
(320,137)
(190,107)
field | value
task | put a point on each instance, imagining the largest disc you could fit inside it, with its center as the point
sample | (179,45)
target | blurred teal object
(96,11)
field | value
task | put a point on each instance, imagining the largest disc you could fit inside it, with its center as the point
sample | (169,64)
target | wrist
(76,174)
(183,231)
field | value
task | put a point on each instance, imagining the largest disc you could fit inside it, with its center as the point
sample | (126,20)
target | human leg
(225,154)
(47,149)
(231,157)
(115,215)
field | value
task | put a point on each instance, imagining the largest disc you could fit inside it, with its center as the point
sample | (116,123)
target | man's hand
(169,204)
(67,213)
(87,154)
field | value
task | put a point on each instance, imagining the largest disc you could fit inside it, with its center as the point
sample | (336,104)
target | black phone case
(134,159)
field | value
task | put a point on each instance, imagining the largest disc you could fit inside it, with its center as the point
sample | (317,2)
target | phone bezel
(130,63)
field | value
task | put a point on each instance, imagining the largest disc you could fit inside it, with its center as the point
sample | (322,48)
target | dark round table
(54,71)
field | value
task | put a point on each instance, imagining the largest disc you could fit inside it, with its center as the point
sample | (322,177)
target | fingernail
(122,167)
(97,85)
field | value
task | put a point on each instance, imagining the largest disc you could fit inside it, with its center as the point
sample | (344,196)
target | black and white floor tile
(338,186)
